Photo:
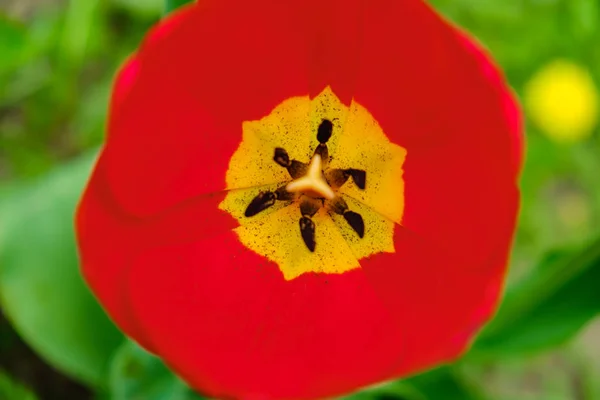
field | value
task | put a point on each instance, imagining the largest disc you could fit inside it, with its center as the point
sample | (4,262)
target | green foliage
(390,391)
(548,307)
(445,383)
(56,70)
(142,8)
(41,289)
(171,5)
(10,390)
(137,375)
(80,26)
(13,37)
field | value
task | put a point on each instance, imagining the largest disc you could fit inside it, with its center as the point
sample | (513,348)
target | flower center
(297,186)
(311,185)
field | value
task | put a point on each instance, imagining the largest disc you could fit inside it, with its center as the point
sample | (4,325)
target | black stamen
(356,222)
(359,176)
(281,157)
(307,230)
(339,206)
(324,131)
(297,169)
(336,177)
(261,202)
(323,151)
(309,206)
(282,194)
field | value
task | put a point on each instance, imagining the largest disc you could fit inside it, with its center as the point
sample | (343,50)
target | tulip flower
(297,199)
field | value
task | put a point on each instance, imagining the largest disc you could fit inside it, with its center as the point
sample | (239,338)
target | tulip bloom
(297,199)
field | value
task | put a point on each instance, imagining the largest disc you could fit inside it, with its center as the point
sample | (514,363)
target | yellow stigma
(312,184)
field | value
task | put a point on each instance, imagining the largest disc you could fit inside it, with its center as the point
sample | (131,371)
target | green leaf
(13,39)
(445,383)
(10,390)
(584,16)
(146,8)
(138,375)
(548,307)
(398,390)
(442,383)
(171,5)
(41,289)
(82,23)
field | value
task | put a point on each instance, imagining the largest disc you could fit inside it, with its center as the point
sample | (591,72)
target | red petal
(228,322)
(124,82)
(437,96)
(182,121)
(129,72)
(108,238)
(441,301)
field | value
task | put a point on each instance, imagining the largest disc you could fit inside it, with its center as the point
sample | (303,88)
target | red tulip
(300,198)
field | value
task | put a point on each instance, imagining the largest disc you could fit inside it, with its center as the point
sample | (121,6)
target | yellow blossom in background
(562,100)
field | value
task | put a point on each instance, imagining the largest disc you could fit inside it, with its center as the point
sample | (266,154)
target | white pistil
(312,184)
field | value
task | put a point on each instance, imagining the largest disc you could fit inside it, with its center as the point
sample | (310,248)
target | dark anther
(324,132)
(356,222)
(336,177)
(339,206)
(359,176)
(284,195)
(297,169)
(261,202)
(307,230)
(281,157)
(309,206)
(323,151)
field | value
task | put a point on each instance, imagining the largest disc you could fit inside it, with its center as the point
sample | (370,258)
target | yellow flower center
(316,186)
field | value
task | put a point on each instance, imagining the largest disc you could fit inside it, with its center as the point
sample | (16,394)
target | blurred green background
(57,61)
